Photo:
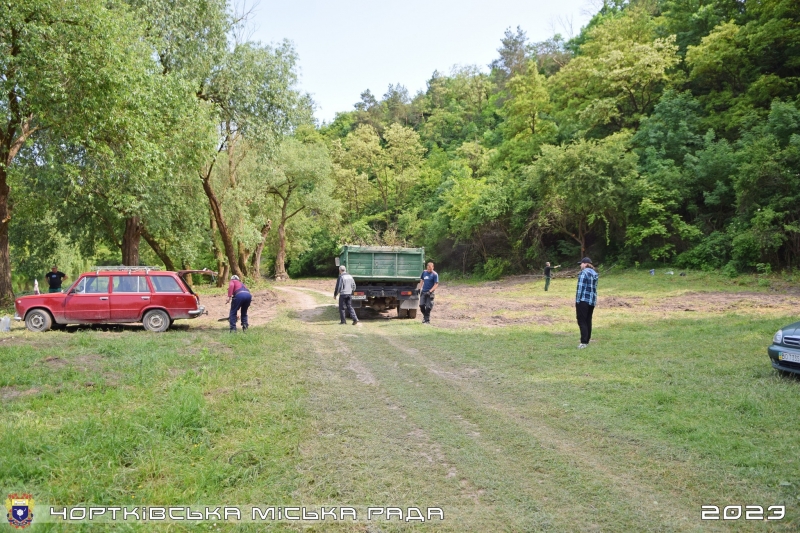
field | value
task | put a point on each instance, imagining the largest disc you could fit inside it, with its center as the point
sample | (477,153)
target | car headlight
(778,338)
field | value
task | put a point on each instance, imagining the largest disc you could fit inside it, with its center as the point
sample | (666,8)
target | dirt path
(263,308)
(389,415)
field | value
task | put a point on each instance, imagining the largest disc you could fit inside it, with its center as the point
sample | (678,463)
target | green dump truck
(386,277)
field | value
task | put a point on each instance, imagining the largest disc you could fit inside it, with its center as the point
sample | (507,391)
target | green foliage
(664,130)
(493,269)
(710,253)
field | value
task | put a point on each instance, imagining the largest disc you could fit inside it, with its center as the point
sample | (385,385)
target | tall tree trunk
(130,241)
(223,278)
(224,232)
(188,279)
(6,290)
(221,267)
(260,248)
(168,264)
(244,256)
(280,260)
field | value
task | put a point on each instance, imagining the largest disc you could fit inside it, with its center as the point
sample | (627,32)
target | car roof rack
(123,268)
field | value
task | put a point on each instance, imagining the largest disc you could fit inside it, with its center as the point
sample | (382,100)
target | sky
(346,47)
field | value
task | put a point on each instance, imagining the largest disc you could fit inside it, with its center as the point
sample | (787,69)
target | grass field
(673,406)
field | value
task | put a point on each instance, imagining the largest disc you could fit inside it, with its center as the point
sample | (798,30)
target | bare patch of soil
(495,304)
(11,392)
(86,364)
(723,302)
(263,308)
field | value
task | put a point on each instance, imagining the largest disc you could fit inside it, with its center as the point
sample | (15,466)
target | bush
(712,253)
(746,250)
(493,269)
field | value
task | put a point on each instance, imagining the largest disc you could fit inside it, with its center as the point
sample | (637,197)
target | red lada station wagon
(115,295)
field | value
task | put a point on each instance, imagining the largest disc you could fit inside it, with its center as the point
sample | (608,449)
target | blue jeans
(241,300)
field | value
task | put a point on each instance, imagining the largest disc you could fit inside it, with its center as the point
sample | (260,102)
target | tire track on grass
(367,449)
(626,496)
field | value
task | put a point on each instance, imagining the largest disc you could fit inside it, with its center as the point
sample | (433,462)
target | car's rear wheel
(38,320)
(412,313)
(156,320)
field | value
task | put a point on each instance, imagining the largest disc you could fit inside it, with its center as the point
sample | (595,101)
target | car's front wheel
(156,320)
(38,320)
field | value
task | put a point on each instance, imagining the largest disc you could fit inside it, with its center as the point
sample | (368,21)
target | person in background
(239,297)
(547,270)
(345,286)
(36,286)
(428,282)
(54,279)
(585,300)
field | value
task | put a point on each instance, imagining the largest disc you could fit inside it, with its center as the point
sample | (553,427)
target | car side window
(80,288)
(129,284)
(96,285)
(165,284)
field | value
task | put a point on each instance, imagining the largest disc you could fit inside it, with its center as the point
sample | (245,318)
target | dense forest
(666,131)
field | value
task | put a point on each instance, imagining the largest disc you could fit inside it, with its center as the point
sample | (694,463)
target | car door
(87,301)
(129,296)
(169,294)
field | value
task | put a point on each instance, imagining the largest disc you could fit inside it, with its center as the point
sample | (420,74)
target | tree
(617,78)
(514,54)
(65,68)
(580,185)
(299,180)
(255,101)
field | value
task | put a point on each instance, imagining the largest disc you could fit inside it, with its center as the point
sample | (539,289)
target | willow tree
(66,68)
(300,181)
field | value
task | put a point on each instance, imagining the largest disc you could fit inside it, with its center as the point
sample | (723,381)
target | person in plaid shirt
(585,300)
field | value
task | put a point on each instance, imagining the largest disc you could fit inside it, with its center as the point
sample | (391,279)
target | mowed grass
(130,418)
(506,429)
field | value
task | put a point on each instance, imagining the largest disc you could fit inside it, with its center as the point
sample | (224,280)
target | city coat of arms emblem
(20,510)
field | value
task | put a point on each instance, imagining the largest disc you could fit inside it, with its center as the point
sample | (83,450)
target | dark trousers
(346,306)
(241,300)
(546,282)
(425,305)
(584,312)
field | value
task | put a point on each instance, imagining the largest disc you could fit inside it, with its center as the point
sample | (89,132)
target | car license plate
(359,297)
(791,357)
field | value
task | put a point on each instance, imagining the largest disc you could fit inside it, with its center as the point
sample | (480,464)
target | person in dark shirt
(428,282)
(54,279)
(547,269)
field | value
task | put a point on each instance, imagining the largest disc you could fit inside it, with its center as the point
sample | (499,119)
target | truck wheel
(156,320)
(412,313)
(38,320)
(401,313)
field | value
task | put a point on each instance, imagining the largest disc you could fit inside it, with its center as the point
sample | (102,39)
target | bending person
(239,297)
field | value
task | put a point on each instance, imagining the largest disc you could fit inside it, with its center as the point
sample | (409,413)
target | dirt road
(398,418)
